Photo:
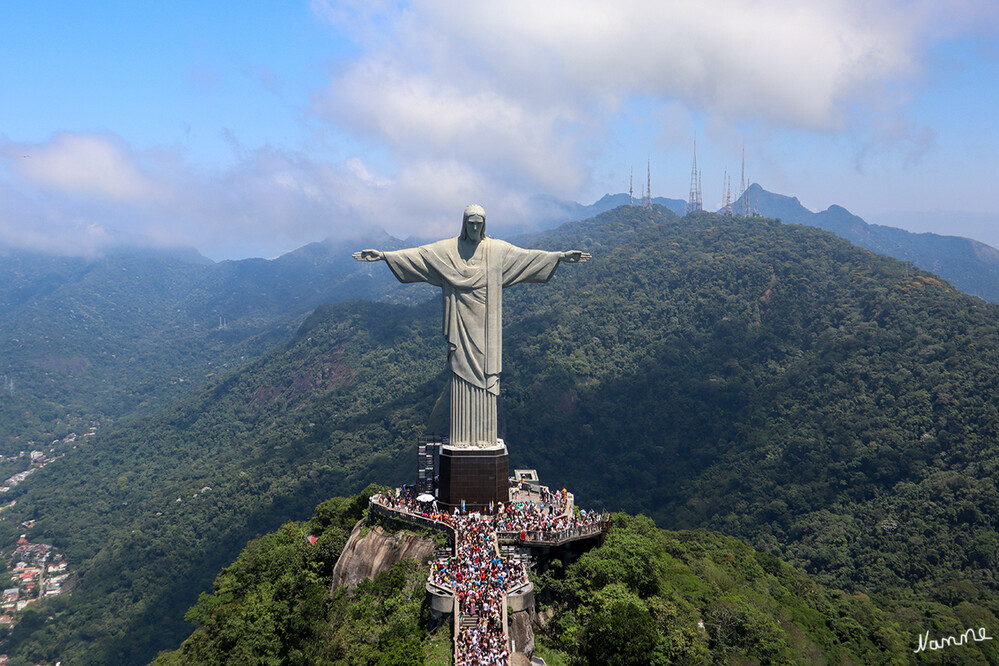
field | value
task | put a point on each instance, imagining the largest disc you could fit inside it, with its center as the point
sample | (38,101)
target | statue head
(479,213)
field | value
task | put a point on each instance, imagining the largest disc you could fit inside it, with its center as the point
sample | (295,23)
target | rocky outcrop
(521,633)
(522,618)
(519,659)
(376,551)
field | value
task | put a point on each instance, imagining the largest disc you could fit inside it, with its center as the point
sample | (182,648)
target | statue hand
(575,256)
(368,255)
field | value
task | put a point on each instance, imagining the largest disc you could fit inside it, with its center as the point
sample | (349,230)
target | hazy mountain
(969,265)
(96,339)
(769,381)
(552,211)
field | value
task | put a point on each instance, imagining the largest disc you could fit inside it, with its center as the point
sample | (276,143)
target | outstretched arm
(574,256)
(368,255)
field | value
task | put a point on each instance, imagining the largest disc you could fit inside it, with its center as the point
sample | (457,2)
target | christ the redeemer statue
(472,271)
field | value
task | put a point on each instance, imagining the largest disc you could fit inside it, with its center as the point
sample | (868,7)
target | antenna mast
(728,193)
(694,201)
(744,207)
(742,187)
(700,198)
(648,186)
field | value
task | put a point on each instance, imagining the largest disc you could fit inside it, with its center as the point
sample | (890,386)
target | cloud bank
(483,101)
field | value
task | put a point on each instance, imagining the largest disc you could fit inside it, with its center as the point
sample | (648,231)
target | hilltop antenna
(648,187)
(631,188)
(743,193)
(742,187)
(728,193)
(694,200)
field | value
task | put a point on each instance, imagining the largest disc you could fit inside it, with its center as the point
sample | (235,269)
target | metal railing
(550,537)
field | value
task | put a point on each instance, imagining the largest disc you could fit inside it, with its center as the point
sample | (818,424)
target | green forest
(773,383)
(644,597)
(94,341)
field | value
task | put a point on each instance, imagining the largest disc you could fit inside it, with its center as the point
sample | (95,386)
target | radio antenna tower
(744,207)
(742,186)
(728,193)
(648,185)
(631,188)
(694,201)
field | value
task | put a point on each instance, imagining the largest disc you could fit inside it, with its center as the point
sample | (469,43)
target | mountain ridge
(769,381)
(970,265)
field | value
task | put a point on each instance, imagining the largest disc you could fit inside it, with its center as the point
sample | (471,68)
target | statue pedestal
(476,475)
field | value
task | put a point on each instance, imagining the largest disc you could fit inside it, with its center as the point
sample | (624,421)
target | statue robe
(473,304)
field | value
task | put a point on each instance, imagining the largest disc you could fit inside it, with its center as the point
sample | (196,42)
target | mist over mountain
(552,211)
(770,381)
(94,340)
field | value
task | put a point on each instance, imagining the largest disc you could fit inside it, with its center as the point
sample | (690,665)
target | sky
(251,129)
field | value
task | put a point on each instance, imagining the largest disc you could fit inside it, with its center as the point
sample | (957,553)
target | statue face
(473,227)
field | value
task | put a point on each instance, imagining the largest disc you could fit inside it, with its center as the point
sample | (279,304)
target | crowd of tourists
(528,520)
(476,573)
(546,520)
(480,578)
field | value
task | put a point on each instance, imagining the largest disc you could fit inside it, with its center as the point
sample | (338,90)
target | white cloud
(88,164)
(519,97)
(446,102)
(419,117)
(780,60)
(79,193)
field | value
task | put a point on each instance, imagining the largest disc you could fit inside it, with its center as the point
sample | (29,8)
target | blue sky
(250,129)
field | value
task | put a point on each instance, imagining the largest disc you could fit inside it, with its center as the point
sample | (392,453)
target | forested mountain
(769,381)
(93,340)
(88,341)
(969,265)
(644,597)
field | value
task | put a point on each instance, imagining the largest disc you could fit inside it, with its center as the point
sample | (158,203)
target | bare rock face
(521,633)
(519,659)
(369,555)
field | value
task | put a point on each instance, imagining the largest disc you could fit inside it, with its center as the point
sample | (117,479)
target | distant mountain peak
(969,265)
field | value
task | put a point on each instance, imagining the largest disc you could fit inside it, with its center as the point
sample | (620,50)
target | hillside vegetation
(645,597)
(768,381)
(776,383)
(969,265)
(89,341)
(273,604)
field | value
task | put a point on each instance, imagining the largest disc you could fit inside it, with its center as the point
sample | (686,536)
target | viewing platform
(477,584)
(540,533)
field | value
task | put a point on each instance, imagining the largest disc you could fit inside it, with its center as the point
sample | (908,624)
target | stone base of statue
(476,476)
